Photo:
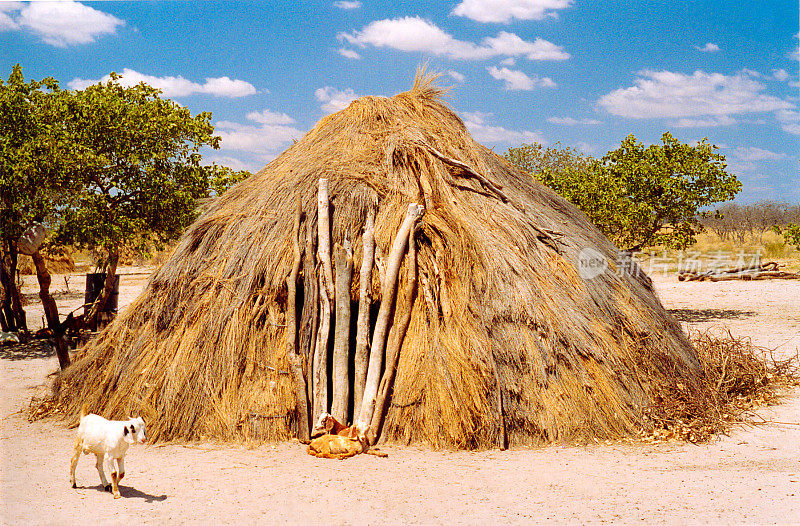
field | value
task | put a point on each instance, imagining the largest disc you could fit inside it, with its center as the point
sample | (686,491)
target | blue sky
(579,72)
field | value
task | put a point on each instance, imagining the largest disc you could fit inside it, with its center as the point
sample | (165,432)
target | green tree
(35,184)
(537,158)
(791,233)
(140,167)
(639,195)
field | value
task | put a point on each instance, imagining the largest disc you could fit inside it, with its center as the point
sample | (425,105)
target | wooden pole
(321,352)
(398,334)
(324,232)
(341,338)
(310,315)
(389,291)
(364,306)
(326,295)
(292,351)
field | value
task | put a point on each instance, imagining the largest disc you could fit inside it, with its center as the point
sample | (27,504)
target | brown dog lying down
(343,443)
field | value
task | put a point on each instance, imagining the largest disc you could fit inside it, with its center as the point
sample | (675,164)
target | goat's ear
(126,431)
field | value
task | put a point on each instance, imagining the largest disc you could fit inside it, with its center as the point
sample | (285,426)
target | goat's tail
(84,409)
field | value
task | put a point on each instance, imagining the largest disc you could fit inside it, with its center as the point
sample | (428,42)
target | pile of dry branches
(737,377)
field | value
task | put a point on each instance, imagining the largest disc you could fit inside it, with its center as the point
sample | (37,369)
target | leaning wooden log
(292,351)
(324,233)
(397,336)
(389,292)
(364,307)
(341,337)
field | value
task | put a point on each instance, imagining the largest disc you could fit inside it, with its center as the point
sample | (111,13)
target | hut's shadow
(128,492)
(27,351)
(705,315)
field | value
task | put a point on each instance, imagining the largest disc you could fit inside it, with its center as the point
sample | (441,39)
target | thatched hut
(494,335)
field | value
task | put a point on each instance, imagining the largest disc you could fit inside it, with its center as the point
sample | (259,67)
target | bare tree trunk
(15,314)
(341,341)
(3,322)
(398,334)
(388,291)
(50,309)
(108,286)
(9,318)
(364,305)
(308,320)
(321,352)
(292,354)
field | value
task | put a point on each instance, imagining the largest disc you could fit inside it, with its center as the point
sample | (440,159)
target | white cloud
(7,22)
(506,10)
(347,4)
(569,121)
(226,160)
(413,34)
(510,61)
(268,139)
(348,53)
(512,45)
(518,81)
(455,75)
(334,100)
(708,48)
(664,94)
(484,133)
(59,24)
(753,154)
(227,87)
(790,121)
(176,86)
(795,53)
(269,117)
(704,122)
(780,75)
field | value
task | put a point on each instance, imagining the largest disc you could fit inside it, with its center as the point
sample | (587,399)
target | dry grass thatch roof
(504,333)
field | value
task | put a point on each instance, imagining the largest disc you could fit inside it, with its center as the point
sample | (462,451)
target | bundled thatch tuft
(505,341)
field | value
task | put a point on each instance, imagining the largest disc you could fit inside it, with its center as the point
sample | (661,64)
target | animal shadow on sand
(705,315)
(128,492)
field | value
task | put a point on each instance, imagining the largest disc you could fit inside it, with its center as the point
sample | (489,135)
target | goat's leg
(74,463)
(114,480)
(121,464)
(99,466)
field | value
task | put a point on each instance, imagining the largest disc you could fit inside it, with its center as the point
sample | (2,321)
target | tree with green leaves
(791,233)
(106,167)
(640,195)
(140,168)
(36,184)
(536,158)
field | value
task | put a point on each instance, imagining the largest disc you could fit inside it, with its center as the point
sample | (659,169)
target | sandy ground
(752,476)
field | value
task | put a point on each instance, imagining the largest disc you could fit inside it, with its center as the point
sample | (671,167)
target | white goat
(109,440)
